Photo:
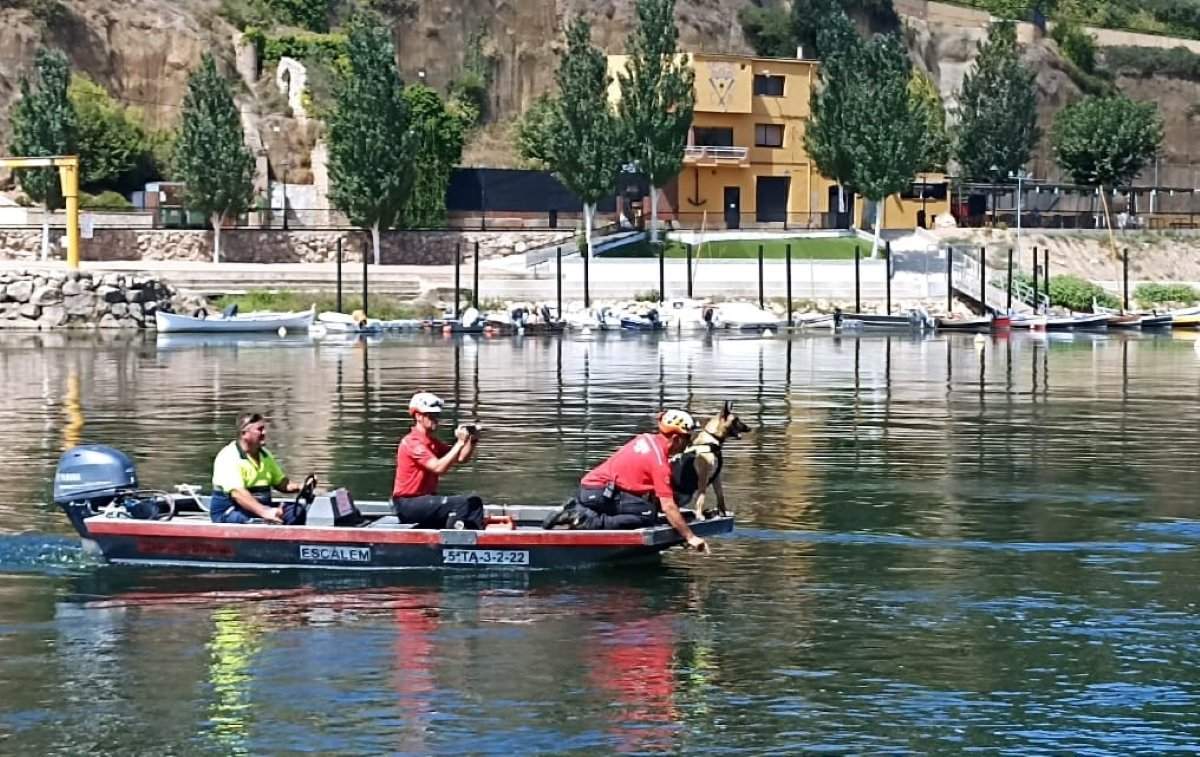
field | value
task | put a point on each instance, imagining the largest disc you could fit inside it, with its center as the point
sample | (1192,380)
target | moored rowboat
(170,323)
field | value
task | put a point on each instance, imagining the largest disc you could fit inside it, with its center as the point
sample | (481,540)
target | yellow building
(745,165)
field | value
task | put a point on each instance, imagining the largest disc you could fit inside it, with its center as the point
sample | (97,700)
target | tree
(370,139)
(657,97)
(997,112)
(43,124)
(886,142)
(439,132)
(768,30)
(533,131)
(833,114)
(935,147)
(1105,142)
(211,156)
(585,147)
(115,150)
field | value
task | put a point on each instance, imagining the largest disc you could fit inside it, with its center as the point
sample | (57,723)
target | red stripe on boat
(208,531)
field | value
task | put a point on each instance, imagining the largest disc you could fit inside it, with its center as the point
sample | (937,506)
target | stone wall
(276,246)
(77,299)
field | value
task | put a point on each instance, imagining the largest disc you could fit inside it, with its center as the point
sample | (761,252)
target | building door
(733,207)
(840,219)
(770,199)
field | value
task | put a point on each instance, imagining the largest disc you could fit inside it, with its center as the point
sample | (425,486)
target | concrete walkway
(507,278)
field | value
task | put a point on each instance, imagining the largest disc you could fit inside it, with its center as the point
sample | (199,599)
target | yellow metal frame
(68,177)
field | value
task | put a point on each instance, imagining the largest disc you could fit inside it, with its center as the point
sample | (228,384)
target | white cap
(425,402)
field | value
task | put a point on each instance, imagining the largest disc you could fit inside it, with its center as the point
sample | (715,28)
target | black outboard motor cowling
(91,477)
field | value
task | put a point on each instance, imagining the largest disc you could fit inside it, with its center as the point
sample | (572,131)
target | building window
(712,136)
(768,135)
(768,86)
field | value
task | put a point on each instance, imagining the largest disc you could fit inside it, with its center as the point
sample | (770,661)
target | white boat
(682,313)
(170,323)
(340,323)
(747,317)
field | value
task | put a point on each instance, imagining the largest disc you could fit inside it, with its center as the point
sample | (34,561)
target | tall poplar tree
(585,146)
(211,156)
(997,111)
(371,163)
(657,98)
(887,142)
(833,115)
(44,124)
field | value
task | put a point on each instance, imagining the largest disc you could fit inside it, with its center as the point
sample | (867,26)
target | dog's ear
(726,409)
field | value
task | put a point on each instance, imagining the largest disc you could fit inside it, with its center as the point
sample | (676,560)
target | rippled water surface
(942,547)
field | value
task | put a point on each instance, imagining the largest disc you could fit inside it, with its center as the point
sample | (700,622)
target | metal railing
(714,152)
(966,279)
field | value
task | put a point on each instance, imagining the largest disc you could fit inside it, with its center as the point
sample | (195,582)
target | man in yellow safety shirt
(244,473)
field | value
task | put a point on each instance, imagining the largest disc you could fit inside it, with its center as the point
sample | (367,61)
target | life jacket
(684,478)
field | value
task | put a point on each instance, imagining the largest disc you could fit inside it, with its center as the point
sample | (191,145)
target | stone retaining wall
(276,246)
(75,299)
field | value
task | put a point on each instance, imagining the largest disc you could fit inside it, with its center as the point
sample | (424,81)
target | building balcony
(708,155)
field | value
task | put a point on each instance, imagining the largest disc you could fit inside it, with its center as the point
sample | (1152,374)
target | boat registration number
(326,553)
(485,557)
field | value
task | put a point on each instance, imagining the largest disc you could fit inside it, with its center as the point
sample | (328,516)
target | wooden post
(475,291)
(857,282)
(1035,281)
(887,274)
(364,257)
(1125,277)
(457,280)
(339,274)
(689,271)
(949,280)
(983,306)
(1008,302)
(587,294)
(761,301)
(1046,275)
(558,279)
(662,272)
(788,265)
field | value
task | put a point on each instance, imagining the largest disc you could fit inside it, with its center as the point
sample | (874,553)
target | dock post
(1035,281)
(761,301)
(887,274)
(558,280)
(587,294)
(662,273)
(1125,277)
(1046,275)
(788,265)
(857,282)
(339,274)
(458,280)
(475,292)
(364,258)
(689,271)
(1008,303)
(949,280)
(983,306)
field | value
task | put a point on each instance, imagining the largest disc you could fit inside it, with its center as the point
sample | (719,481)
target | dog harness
(684,478)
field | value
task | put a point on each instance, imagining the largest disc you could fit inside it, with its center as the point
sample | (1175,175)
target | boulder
(138,295)
(83,304)
(19,291)
(111,293)
(109,321)
(47,295)
(135,312)
(118,309)
(29,310)
(71,287)
(52,317)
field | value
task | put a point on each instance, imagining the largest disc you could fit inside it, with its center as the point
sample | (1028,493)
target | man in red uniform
(421,459)
(628,489)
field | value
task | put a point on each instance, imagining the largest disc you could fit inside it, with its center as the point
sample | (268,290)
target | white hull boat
(747,317)
(172,323)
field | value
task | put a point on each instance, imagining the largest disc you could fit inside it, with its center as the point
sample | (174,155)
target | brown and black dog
(699,466)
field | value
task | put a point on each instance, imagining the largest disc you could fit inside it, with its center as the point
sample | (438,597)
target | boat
(1186,320)
(1084,322)
(1157,321)
(645,321)
(97,487)
(911,319)
(978,324)
(748,317)
(1119,321)
(230,322)
(341,323)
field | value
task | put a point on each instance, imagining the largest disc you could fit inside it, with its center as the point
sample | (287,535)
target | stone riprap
(79,299)
(277,246)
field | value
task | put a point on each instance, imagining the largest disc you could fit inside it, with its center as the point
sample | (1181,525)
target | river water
(942,547)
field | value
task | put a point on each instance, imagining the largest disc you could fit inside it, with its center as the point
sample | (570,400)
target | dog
(698,467)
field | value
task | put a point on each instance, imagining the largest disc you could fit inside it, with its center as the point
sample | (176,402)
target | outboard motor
(94,478)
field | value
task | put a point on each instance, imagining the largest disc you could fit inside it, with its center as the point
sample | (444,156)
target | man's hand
(698,544)
(462,433)
(273,515)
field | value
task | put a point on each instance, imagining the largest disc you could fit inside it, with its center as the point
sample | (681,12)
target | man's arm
(439,465)
(468,450)
(675,518)
(287,486)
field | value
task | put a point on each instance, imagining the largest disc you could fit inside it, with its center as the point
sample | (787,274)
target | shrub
(1075,44)
(106,200)
(1077,294)
(650,295)
(1165,294)
(328,48)
(1144,62)
(768,30)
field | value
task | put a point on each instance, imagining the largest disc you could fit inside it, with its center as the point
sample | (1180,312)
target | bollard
(475,292)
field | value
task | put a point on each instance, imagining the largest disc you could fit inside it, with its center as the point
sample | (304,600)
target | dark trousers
(437,511)
(622,510)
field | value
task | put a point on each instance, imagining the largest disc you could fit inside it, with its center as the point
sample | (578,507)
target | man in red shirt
(628,489)
(421,459)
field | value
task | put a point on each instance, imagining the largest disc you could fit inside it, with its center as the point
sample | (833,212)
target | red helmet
(675,422)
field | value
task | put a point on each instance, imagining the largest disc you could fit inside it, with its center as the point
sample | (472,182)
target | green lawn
(836,248)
